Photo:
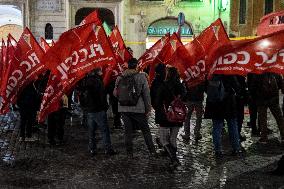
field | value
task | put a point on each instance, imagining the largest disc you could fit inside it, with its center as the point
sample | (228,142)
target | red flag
(2,57)
(12,40)
(10,49)
(264,54)
(122,55)
(190,63)
(3,51)
(213,36)
(23,68)
(93,17)
(270,23)
(165,55)
(149,56)
(77,52)
(1,62)
(7,59)
(45,46)
(51,97)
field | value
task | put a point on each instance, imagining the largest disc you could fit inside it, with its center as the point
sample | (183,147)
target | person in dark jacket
(194,98)
(28,102)
(160,72)
(114,105)
(280,167)
(225,109)
(96,106)
(169,130)
(56,122)
(81,88)
(241,99)
(251,78)
(267,86)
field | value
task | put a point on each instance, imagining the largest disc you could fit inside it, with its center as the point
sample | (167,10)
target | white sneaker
(31,139)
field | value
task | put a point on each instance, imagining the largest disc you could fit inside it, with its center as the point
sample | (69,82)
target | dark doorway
(105,15)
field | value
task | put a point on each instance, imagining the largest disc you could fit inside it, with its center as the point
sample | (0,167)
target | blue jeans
(98,120)
(233,133)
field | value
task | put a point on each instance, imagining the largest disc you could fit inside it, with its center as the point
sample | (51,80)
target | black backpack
(215,91)
(127,93)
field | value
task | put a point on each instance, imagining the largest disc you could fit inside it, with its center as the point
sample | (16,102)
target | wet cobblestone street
(38,165)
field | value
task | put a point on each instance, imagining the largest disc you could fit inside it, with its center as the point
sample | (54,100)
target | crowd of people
(132,100)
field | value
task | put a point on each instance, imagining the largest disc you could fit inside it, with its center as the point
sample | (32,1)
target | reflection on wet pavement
(38,165)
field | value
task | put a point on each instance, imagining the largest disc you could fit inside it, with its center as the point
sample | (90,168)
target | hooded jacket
(144,102)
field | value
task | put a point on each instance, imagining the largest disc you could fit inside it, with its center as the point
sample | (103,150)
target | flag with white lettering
(76,53)
(263,54)
(51,98)
(270,23)
(190,63)
(93,17)
(23,68)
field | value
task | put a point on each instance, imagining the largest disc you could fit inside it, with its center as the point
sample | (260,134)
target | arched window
(48,31)
(105,15)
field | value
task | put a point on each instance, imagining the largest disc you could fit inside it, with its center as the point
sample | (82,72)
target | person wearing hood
(96,107)
(135,110)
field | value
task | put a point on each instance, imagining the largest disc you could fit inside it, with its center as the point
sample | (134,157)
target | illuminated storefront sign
(168,25)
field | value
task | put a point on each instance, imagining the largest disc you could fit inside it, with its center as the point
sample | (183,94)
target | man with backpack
(133,94)
(267,87)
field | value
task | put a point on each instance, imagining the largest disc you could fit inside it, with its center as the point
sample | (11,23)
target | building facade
(246,14)
(50,18)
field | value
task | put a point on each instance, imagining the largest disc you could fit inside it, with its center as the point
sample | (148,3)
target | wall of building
(255,11)
(138,15)
(39,17)
(132,16)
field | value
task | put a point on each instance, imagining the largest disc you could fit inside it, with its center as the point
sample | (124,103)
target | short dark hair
(132,63)
(172,74)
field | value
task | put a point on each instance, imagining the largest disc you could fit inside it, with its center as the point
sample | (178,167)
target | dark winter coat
(29,99)
(196,93)
(156,84)
(227,107)
(165,96)
(96,100)
(257,89)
